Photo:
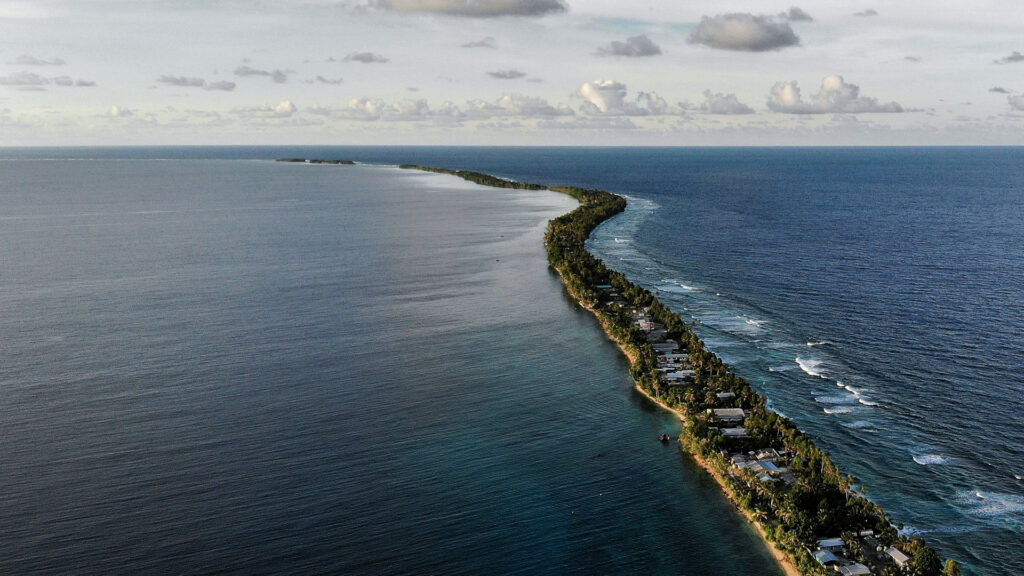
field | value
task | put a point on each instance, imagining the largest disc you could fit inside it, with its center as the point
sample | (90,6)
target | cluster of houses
(831,551)
(767,464)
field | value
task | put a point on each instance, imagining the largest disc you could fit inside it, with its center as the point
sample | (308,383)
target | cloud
(471,8)
(330,81)
(608,98)
(118,112)
(373,110)
(30,60)
(866,13)
(743,32)
(192,82)
(182,81)
(999,90)
(64,81)
(85,83)
(835,96)
(488,42)
(514,105)
(365,58)
(633,47)
(913,58)
(796,15)
(1013,58)
(23,79)
(727,104)
(510,74)
(279,76)
(508,106)
(284,109)
(1016,101)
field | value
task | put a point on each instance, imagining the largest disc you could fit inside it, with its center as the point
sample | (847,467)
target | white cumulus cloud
(835,96)
(717,103)
(609,98)
(376,109)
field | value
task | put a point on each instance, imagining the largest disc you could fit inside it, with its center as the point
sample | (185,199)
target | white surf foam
(811,366)
(930,459)
(991,504)
(837,410)
(835,399)
(867,402)
(822,343)
(675,287)
(859,424)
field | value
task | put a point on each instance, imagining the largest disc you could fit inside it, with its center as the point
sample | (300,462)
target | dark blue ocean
(214,363)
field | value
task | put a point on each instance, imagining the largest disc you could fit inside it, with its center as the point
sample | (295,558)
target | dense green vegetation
(478,177)
(821,502)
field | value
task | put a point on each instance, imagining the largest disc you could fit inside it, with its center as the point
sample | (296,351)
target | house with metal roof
(855,570)
(833,544)
(898,556)
(729,414)
(826,558)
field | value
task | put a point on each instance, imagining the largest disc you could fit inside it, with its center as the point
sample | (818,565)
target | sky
(511,72)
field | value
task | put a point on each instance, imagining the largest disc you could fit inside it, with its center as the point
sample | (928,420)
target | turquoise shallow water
(233,366)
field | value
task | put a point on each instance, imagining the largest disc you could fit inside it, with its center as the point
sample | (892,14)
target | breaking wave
(991,504)
(810,366)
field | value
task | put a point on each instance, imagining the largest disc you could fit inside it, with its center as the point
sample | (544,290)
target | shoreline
(806,503)
(783,560)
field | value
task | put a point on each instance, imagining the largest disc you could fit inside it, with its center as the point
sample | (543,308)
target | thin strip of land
(811,515)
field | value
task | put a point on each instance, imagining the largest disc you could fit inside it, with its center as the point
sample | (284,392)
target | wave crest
(811,366)
(930,459)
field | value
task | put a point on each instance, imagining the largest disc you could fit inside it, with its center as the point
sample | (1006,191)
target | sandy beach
(784,561)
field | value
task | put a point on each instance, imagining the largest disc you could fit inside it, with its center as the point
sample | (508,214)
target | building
(729,414)
(833,544)
(855,570)
(680,375)
(898,556)
(826,558)
(733,432)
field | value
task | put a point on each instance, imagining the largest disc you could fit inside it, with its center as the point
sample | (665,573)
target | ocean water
(872,294)
(216,364)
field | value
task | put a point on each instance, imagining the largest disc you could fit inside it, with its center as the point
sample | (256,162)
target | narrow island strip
(810,515)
